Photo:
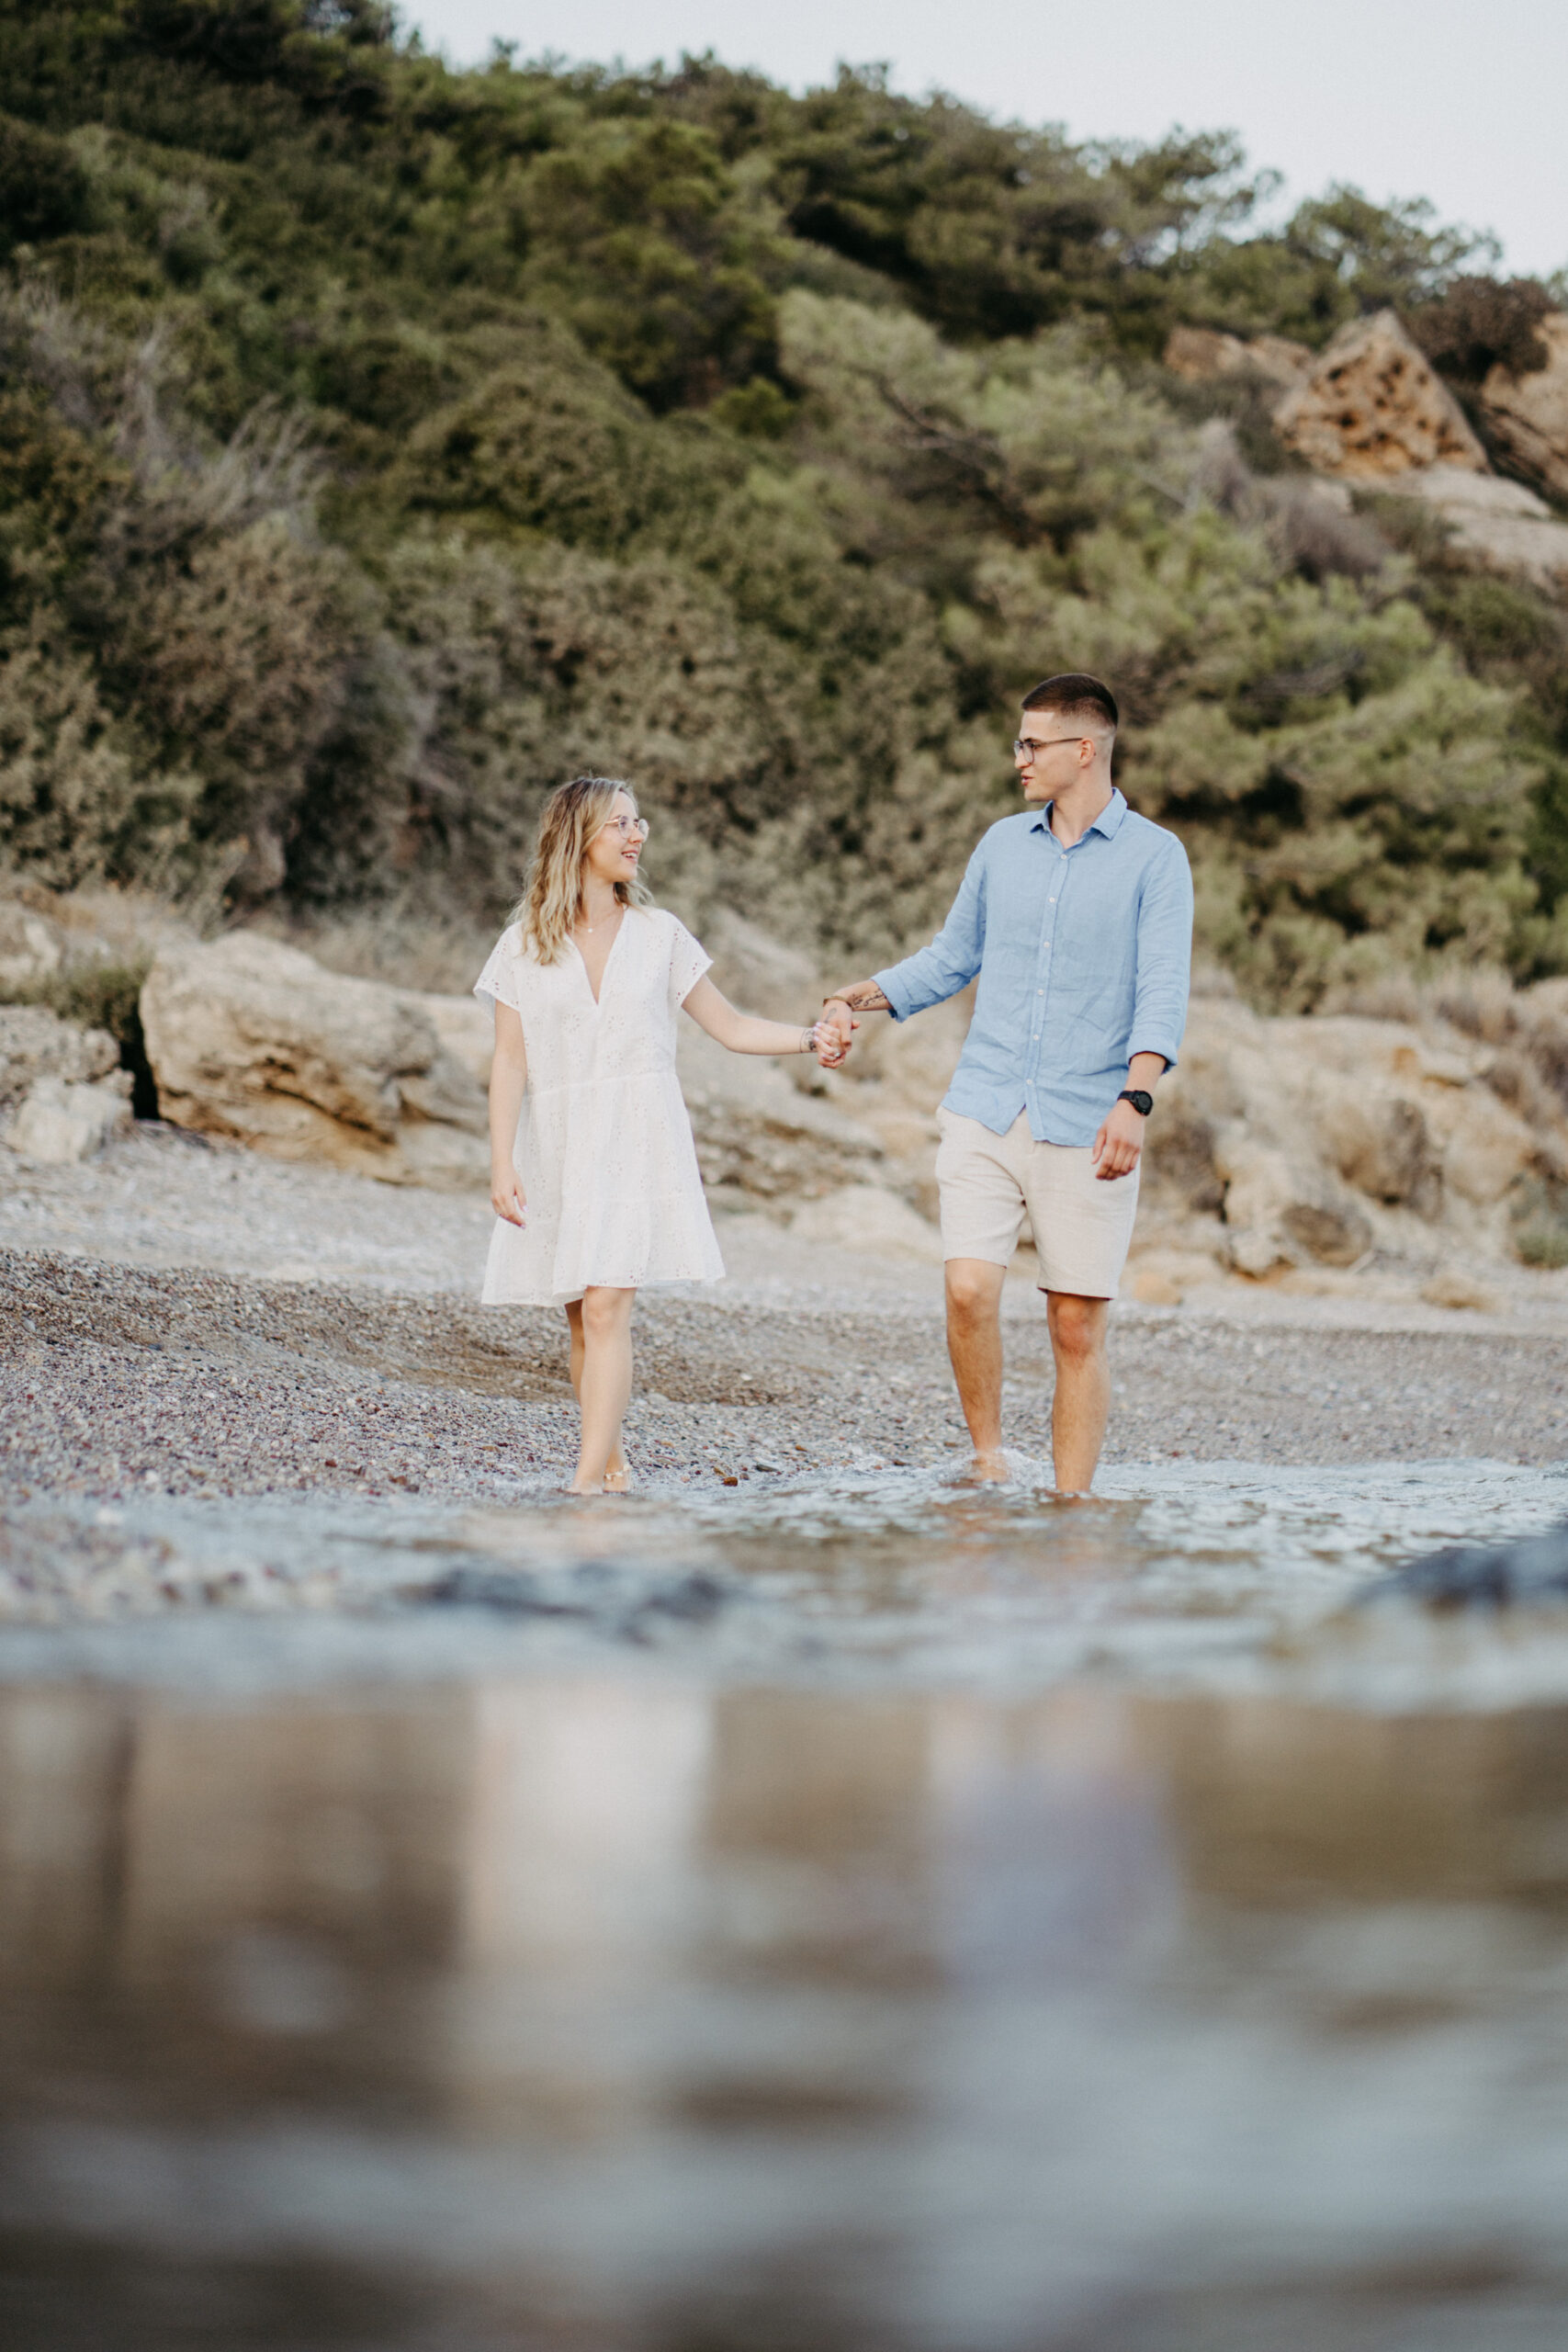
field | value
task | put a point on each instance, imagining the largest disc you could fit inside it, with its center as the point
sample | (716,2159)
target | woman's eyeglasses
(629,828)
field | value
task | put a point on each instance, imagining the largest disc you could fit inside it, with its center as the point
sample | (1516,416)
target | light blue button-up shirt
(1083,955)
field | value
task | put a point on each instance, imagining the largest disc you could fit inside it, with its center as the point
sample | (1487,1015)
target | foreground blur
(596,2013)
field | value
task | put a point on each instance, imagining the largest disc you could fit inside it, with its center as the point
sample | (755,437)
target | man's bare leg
(974,1347)
(1082,1403)
(612,1336)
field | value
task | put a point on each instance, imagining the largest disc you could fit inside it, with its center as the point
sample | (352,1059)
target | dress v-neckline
(609,958)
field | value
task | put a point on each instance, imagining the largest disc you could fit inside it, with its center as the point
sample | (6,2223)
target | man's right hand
(842,1025)
(506,1196)
(843,1009)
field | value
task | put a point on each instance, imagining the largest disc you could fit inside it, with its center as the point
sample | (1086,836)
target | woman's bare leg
(615,1470)
(603,1382)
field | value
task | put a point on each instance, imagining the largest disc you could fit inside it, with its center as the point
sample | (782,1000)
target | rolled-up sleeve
(1165,956)
(934,974)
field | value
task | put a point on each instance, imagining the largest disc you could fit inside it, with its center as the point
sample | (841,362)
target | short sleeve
(688,961)
(499,978)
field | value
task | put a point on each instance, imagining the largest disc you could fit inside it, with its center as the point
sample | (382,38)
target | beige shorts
(1082,1223)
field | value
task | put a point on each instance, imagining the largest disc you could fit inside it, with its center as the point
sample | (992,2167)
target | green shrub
(1542,1245)
(44,192)
(380,444)
(1482,322)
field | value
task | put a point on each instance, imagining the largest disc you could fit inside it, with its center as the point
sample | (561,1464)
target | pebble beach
(188,1321)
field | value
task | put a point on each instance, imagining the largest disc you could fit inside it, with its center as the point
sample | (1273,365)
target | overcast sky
(1402,98)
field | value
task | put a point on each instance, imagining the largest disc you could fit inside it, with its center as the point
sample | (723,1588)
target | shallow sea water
(855,1913)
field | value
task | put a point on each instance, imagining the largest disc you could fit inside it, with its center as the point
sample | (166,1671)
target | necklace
(588,929)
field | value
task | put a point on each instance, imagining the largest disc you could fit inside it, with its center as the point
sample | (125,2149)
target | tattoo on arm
(864,997)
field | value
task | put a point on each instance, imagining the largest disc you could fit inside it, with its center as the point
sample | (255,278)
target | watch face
(1141,1102)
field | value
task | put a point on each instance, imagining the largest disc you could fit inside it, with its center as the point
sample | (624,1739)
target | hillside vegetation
(380,443)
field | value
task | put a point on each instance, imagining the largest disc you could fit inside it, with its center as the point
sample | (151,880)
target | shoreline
(185,1318)
(119,1379)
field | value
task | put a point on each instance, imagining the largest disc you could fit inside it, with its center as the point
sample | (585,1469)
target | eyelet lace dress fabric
(605,1144)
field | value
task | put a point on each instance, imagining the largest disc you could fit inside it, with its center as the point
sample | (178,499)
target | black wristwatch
(1142,1103)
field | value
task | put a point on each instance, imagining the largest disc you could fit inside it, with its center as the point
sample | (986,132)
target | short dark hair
(1076,696)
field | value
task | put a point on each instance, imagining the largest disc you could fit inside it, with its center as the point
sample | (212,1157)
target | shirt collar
(1108,823)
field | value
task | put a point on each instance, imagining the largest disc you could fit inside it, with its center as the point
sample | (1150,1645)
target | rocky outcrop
(1372,407)
(781,1134)
(36,1043)
(256,1041)
(62,1092)
(1528,415)
(869,1218)
(758,1135)
(252,1040)
(1320,1139)
(1277,1148)
(1503,525)
(29,949)
(1205,356)
(1371,410)
(59,1123)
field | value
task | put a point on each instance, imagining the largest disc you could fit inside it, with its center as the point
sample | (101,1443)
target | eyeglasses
(1025,747)
(628,827)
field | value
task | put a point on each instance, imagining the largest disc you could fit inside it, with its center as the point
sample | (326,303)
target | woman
(593,1174)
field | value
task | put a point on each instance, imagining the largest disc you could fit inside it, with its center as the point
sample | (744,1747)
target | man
(1078,916)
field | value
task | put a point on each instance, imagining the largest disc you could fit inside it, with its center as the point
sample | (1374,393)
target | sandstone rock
(1529,415)
(36,1043)
(1282,1210)
(1203,355)
(1461,1291)
(251,1039)
(1164,1277)
(757,1134)
(59,1123)
(1382,1147)
(1372,407)
(759,972)
(1487,1149)
(466,1029)
(868,1216)
(774,1131)
(1280,359)
(29,949)
(1503,526)
(1317,1138)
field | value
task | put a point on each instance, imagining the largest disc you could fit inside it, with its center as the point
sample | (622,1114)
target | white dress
(604,1146)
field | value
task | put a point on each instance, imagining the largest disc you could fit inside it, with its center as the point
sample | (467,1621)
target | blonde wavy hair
(568,822)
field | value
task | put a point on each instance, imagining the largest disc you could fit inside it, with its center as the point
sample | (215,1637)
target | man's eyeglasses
(628,827)
(1025,747)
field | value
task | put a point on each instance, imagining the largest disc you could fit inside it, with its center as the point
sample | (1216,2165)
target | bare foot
(617,1478)
(986,1470)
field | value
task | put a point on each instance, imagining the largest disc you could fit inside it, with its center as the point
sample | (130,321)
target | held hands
(1117,1146)
(507,1197)
(834,1034)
